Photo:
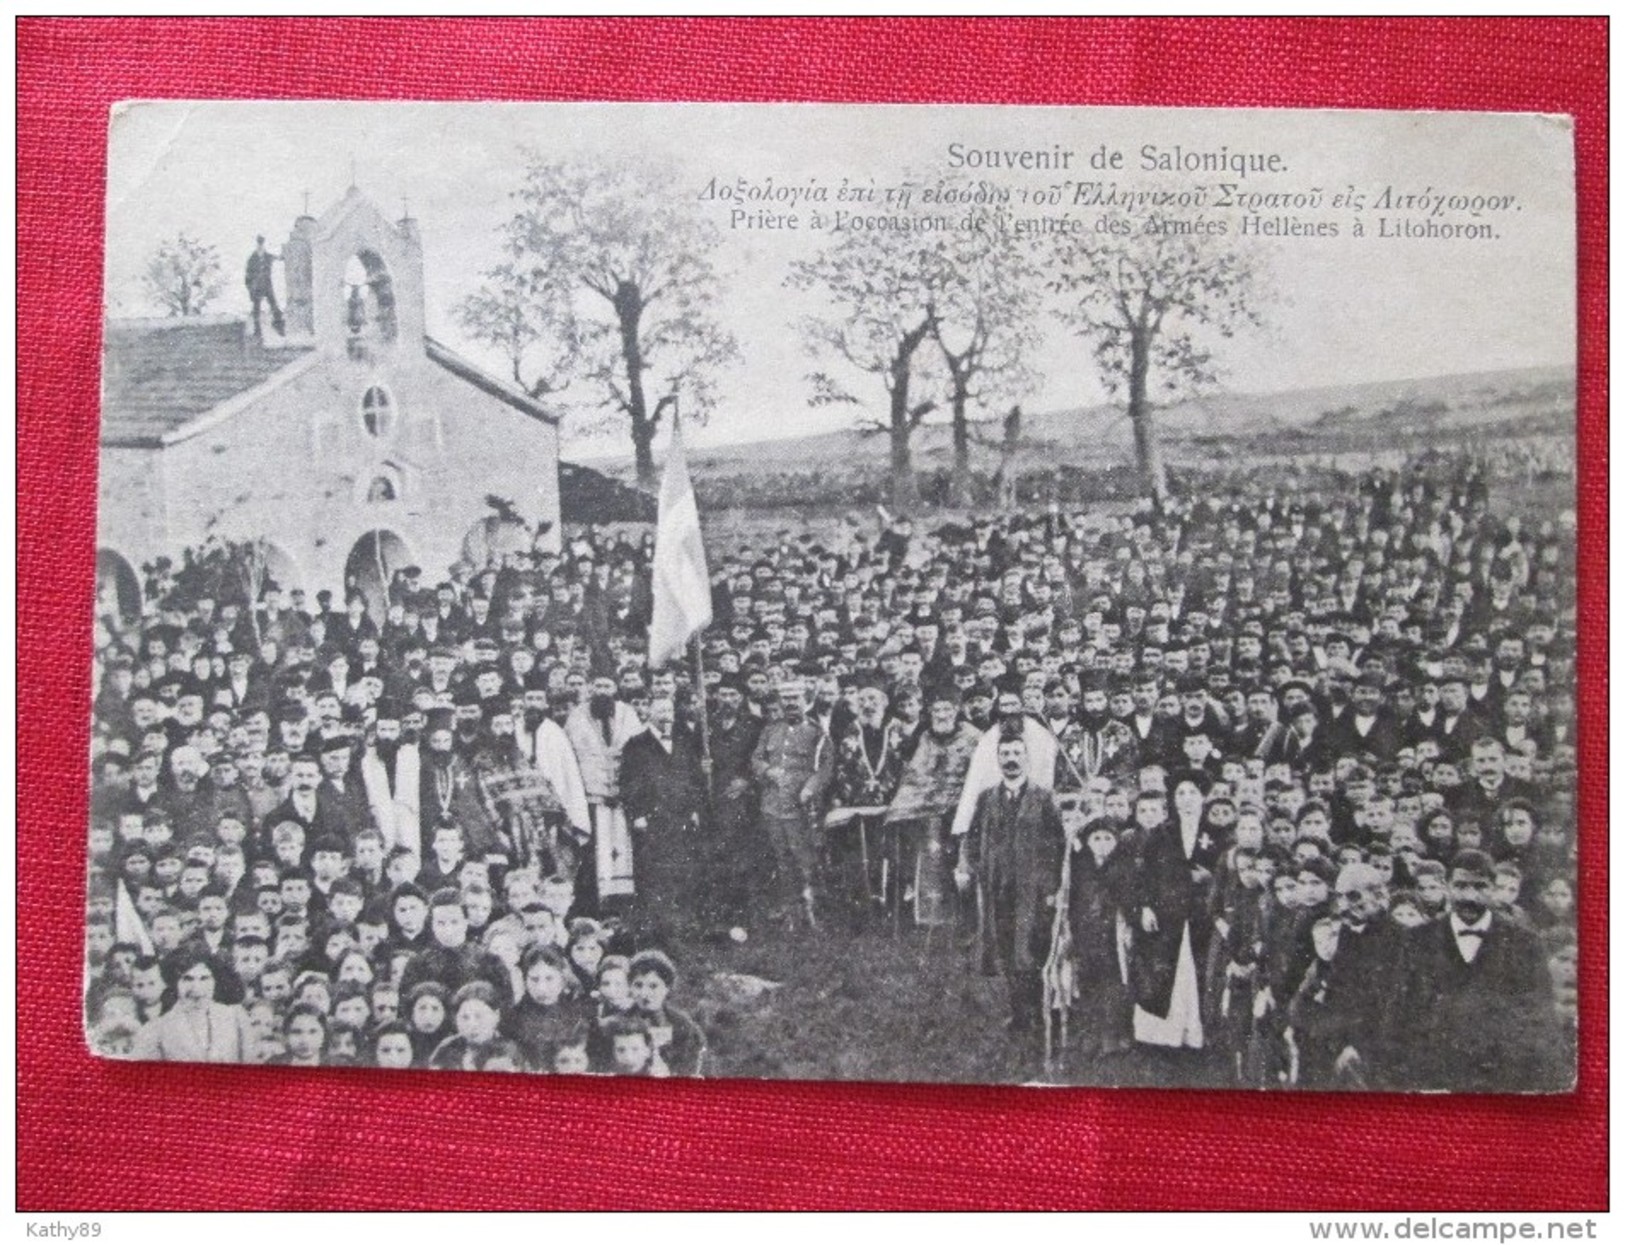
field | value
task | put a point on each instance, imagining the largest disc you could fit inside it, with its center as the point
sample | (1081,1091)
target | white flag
(127,923)
(682,585)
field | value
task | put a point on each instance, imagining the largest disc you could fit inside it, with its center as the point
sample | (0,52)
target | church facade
(355,444)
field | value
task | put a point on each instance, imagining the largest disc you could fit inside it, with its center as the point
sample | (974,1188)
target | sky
(1340,310)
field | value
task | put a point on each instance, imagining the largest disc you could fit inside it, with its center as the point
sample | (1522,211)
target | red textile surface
(93,1135)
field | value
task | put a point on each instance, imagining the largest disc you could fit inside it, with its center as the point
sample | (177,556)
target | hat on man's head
(1293,685)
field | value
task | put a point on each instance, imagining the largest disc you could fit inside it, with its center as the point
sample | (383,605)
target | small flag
(682,585)
(127,923)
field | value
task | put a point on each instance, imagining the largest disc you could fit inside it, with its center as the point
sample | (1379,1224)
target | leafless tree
(609,278)
(883,287)
(986,328)
(1154,304)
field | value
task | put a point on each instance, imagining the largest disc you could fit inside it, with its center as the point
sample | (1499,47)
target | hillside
(1304,420)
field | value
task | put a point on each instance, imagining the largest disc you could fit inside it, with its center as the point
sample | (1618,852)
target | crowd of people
(1282,782)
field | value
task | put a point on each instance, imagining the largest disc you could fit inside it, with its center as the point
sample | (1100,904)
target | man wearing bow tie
(1478,1001)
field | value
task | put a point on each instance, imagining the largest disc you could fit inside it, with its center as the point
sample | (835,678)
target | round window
(378,411)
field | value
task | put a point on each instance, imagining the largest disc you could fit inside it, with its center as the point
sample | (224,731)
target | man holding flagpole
(664,801)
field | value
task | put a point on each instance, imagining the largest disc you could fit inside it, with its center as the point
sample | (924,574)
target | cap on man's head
(1294,685)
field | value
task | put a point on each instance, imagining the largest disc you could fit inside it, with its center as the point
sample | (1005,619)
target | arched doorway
(118,588)
(373,563)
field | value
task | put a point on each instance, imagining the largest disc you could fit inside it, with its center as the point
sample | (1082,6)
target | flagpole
(705,712)
(699,657)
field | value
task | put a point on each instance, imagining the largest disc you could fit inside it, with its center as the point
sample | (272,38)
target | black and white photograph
(953,594)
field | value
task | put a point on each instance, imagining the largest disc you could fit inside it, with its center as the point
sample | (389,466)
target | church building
(353,443)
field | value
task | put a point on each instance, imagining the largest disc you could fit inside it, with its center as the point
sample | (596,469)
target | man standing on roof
(257,277)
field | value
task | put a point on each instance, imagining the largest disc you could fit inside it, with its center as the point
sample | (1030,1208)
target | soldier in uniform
(792,765)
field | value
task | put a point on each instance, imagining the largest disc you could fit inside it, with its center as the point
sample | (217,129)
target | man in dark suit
(662,786)
(1155,738)
(1477,1007)
(1457,725)
(247,686)
(1488,787)
(1015,847)
(307,807)
(737,864)
(1366,727)
(341,789)
(1261,734)
(1305,746)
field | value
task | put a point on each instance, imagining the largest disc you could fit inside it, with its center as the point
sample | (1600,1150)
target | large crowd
(1285,780)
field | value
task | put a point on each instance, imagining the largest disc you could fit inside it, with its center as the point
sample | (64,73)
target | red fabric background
(93,1135)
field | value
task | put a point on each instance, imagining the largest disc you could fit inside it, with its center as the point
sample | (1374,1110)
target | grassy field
(877,1006)
(870,1007)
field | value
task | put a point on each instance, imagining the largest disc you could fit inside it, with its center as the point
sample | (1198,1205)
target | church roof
(503,390)
(160,375)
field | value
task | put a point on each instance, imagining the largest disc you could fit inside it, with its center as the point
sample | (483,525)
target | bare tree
(1154,302)
(986,328)
(525,311)
(606,265)
(183,276)
(883,287)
